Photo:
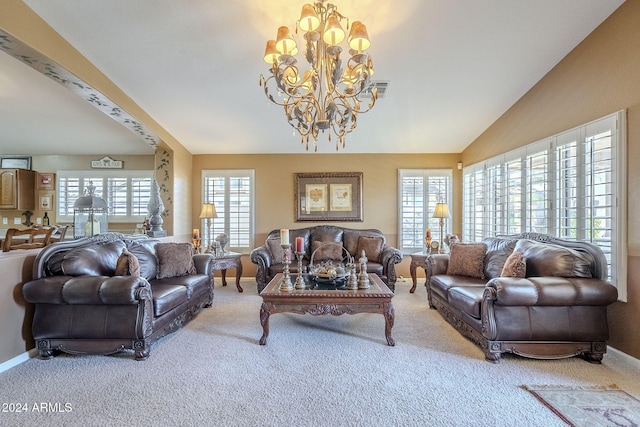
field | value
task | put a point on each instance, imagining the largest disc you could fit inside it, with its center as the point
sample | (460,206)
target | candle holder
(352,282)
(299,280)
(427,241)
(363,277)
(285,282)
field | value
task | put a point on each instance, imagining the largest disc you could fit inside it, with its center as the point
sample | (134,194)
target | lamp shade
(208,211)
(309,20)
(285,43)
(271,54)
(333,32)
(358,37)
(442,211)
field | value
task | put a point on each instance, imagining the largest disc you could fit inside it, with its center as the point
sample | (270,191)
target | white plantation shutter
(232,192)
(419,191)
(126,193)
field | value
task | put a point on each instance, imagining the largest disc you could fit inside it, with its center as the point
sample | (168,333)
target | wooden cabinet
(17,189)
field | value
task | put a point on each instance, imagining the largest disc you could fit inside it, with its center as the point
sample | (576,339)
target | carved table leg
(238,276)
(223,273)
(389,316)
(264,321)
(412,270)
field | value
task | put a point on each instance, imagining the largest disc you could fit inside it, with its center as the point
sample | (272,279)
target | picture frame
(15,162)
(46,181)
(46,202)
(328,196)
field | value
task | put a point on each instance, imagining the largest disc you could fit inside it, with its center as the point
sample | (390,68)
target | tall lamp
(441,212)
(208,212)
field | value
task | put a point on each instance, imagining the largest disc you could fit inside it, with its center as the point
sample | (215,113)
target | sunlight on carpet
(590,406)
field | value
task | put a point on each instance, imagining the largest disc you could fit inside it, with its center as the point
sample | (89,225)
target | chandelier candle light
(329,95)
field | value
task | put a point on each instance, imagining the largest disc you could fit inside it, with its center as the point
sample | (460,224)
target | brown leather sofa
(558,309)
(382,258)
(89,298)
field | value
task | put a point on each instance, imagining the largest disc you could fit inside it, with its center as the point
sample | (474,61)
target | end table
(418,259)
(229,260)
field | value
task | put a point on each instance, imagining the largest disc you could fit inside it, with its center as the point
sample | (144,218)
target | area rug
(590,406)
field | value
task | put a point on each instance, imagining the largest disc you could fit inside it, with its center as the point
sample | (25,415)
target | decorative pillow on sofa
(467,259)
(372,247)
(325,252)
(515,265)
(275,248)
(175,259)
(548,259)
(127,265)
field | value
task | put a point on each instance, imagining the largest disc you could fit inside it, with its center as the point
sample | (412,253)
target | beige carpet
(314,371)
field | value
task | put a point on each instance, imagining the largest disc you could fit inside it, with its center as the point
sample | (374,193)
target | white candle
(284,236)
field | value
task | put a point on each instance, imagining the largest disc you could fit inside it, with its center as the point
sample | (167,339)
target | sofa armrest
(203,263)
(261,256)
(88,290)
(439,264)
(550,291)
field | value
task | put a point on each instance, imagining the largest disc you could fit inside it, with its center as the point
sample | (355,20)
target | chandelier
(329,95)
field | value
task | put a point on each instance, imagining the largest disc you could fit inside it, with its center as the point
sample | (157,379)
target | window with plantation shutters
(126,193)
(127,201)
(572,185)
(420,190)
(232,193)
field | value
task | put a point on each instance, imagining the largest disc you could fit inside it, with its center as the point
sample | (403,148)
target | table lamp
(208,212)
(441,212)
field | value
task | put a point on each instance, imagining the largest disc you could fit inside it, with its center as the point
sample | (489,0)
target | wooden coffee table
(376,299)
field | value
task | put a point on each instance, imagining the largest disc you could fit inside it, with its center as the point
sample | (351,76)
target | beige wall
(600,76)
(274,178)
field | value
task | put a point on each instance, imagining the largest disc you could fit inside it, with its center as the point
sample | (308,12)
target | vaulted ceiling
(453,68)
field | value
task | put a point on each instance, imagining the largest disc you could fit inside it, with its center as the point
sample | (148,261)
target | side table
(229,260)
(418,259)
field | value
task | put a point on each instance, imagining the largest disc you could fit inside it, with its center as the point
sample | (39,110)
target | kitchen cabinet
(17,189)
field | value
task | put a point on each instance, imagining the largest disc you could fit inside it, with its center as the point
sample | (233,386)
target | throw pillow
(467,259)
(127,265)
(372,247)
(275,248)
(324,252)
(175,259)
(515,265)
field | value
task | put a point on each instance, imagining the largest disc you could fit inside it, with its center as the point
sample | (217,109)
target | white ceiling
(454,67)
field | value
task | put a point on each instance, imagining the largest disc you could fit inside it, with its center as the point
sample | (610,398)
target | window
(420,190)
(232,193)
(126,193)
(571,185)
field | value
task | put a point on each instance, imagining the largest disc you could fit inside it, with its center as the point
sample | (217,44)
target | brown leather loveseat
(531,294)
(107,293)
(382,258)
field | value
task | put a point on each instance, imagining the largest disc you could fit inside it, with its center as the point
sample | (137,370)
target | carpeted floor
(314,371)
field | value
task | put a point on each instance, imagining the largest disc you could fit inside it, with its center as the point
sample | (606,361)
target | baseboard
(624,357)
(5,366)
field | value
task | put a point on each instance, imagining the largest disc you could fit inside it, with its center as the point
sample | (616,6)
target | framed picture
(46,181)
(15,162)
(330,196)
(46,202)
